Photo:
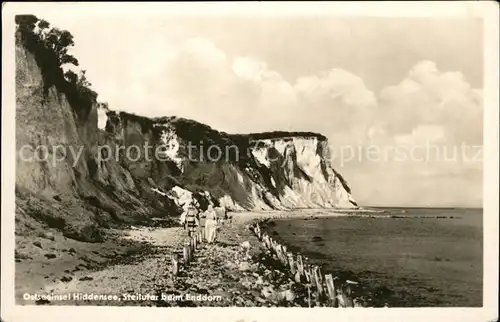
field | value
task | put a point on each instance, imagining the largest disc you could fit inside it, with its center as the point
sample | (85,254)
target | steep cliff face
(59,181)
(300,173)
(259,171)
(81,166)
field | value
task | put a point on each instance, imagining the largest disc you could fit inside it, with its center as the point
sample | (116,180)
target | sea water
(406,257)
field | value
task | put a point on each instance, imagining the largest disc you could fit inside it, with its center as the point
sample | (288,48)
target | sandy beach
(135,268)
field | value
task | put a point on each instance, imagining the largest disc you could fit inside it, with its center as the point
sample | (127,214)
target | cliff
(259,171)
(81,167)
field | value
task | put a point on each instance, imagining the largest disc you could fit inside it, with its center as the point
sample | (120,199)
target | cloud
(422,134)
(251,69)
(197,79)
(433,115)
(198,72)
(192,79)
(276,95)
(332,102)
(335,85)
(429,97)
(337,103)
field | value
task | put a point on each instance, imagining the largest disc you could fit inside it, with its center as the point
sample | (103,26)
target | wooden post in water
(344,297)
(300,266)
(192,244)
(264,241)
(291,263)
(284,255)
(348,295)
(175,264)
(257,231)
(268,242)
(277,249)
(317,280)
(340,292)
(190,251)
(321,276)
(332,292)
(321,281)
(314,280)
(185,253)
(309,295)
(306,275)
(198,237)
(357,303)
(281,255)
(297,277)
(309,275)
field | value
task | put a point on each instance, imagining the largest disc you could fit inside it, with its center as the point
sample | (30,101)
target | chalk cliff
(98,171)
(262,171)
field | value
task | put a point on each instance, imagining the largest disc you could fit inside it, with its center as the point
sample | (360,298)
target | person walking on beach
(210,224)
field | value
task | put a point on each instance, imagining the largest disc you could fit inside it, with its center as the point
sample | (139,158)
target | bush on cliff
(50,48)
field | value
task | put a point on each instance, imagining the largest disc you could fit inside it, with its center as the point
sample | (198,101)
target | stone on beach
(245,245)
(47,235)
(244,266)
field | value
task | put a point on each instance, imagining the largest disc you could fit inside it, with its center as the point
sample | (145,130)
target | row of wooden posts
(326,288)
(190,246)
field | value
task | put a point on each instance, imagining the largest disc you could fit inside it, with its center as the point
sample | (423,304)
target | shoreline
(138,263)
(325,289)
(146,280)
(247,279)
(383,285)
(140,246)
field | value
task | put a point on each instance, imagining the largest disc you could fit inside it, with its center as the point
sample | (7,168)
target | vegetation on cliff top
(196,127)
(50,48)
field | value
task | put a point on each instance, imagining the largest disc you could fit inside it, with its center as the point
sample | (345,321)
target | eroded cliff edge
(92,185)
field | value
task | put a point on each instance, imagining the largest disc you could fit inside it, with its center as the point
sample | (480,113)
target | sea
(405,257)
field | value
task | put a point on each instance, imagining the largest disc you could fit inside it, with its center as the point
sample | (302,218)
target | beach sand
(136,266)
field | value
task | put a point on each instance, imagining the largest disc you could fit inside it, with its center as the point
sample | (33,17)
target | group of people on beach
(207,222)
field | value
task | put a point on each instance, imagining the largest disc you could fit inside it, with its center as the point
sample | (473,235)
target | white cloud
(422,134)
(272,87)
(336,84)
(336,103)
(204,52)
(249,68)
(430,97)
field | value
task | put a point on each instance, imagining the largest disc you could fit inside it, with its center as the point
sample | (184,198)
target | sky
(409,89)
